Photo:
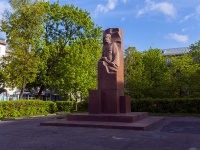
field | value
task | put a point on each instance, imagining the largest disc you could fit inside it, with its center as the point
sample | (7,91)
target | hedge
(35,107)
(21,108)
(175,105)
(165,105)
(65,106)
(70,106)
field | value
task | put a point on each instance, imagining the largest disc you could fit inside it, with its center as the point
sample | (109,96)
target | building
(175,51)
(2,47)
(6,93)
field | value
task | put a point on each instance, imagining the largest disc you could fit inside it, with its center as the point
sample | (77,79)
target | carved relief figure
(110,54)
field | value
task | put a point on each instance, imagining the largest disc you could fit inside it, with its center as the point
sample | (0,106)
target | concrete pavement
(174,133)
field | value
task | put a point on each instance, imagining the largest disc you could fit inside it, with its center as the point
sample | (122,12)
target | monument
(108,107)
(109,98)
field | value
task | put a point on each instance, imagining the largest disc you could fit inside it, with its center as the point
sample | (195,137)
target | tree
(79,73)
(184,70)
(20,68)
(16,4)
(2,78)
(134,69)
(66,27)
(195,55)
(146,73)
(195,51)
(155,72)
(23,30)
(63,38)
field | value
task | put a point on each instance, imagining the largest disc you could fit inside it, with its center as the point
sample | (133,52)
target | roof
(2,43)
(175,51)
(2,90)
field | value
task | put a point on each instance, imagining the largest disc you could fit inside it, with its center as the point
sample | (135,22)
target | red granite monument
(108,106)
(109,98)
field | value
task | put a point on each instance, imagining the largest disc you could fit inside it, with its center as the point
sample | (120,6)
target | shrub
(66,106)
(70,106)
(175,105)
(26,107)
(83,106)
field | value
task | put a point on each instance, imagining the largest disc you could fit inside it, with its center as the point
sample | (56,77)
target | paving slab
(191,127)
(27,134)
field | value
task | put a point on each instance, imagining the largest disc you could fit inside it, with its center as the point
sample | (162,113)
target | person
(110,54)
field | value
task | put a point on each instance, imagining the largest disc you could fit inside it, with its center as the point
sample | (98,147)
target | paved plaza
(174,133)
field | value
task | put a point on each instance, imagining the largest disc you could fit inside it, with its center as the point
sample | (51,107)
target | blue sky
(146,23)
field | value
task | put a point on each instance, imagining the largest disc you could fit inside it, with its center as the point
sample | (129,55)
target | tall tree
(23,30)
(20,68)
(155,68)
(146,73)
(195,51)
(16,4)
(195,54)
(78,71)
(185,75)
(135,80)
(65,27)
(2,77)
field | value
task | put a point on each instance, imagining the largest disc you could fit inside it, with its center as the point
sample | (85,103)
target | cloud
(111,4)
(164,7)
(198,10)
(178,37)
(195,14)
(105,8)
(184,29)
(122,19)
(187,17)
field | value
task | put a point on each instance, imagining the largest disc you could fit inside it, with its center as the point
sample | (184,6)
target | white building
(10,91)
(2,47)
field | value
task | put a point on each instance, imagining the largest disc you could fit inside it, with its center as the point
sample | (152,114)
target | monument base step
(142,124)
(120,117)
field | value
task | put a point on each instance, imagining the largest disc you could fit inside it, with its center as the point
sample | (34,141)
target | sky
(145,23)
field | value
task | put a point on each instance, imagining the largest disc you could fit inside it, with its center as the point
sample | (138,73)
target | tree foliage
(149,74)
(23,30)
(69,34)
(134,73)
(53,47)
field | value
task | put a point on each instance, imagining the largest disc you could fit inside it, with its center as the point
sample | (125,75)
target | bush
(175,105)
(65,106)
(26,108)
(70,106)
(83,106)
(35,107)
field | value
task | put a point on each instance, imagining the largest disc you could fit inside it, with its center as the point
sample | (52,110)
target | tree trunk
(23,88)
(76,105)
(42,88)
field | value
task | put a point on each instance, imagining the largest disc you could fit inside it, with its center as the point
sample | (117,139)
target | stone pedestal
(109,98)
